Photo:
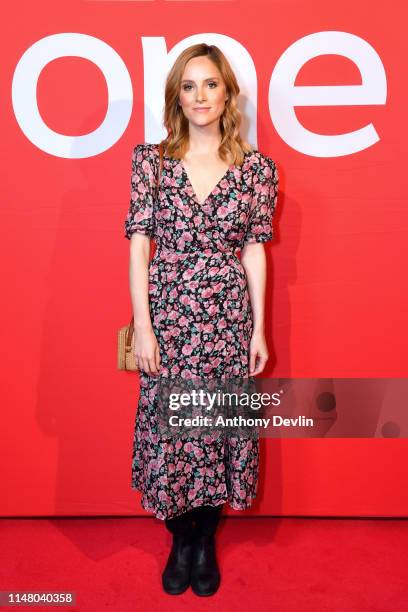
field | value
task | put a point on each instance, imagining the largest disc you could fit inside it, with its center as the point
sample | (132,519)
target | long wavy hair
(232,146)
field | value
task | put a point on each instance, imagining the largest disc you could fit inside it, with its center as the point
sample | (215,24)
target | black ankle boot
(176,574)
(205,573)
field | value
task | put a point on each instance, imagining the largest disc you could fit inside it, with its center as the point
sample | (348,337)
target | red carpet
(266,564)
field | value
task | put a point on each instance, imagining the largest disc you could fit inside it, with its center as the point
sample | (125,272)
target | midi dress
(201,316)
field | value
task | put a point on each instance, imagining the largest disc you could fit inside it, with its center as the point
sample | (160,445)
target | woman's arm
(147,353)
(259,230)
(253,260)
(139,229)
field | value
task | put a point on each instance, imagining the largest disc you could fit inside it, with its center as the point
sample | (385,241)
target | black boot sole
(175,592)
(208,594)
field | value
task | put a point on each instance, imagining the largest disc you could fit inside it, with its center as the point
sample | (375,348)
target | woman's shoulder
(259,162)
(260,159)
(146,152)
(147,148)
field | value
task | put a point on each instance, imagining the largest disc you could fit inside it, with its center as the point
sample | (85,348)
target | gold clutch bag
(126,336)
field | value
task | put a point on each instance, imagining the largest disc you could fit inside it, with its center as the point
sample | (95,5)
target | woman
(198,309)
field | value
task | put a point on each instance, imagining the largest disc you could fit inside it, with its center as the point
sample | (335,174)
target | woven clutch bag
(126,336)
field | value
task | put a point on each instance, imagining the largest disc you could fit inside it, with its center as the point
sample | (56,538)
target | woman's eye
(186,87)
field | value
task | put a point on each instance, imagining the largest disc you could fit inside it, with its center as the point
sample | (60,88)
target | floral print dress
(202,319)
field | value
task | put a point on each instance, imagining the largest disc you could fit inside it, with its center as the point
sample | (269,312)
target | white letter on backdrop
(283,95)
(118,81)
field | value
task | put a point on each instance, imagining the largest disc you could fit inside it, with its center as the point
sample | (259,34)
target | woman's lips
(201,110)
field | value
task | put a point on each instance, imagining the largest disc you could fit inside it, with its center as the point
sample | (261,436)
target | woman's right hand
(147,352)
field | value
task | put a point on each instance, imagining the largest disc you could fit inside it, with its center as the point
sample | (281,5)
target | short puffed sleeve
(263,202)
(142,192)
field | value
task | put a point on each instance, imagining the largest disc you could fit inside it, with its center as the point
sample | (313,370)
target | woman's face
(202,87)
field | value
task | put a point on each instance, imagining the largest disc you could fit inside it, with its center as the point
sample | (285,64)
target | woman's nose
(200,95)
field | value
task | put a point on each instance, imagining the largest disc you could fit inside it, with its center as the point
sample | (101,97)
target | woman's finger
(157,358)
(252,361)
(260,363)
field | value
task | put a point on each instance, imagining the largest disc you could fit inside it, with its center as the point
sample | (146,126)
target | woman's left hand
(258,353)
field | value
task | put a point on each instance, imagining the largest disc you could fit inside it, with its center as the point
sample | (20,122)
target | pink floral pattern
(201,315)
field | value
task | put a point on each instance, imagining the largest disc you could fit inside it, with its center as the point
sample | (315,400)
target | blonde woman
(198,308)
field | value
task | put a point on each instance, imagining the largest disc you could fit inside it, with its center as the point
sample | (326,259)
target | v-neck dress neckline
(230,168)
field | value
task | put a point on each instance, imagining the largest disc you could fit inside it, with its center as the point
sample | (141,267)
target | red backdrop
(336,294)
